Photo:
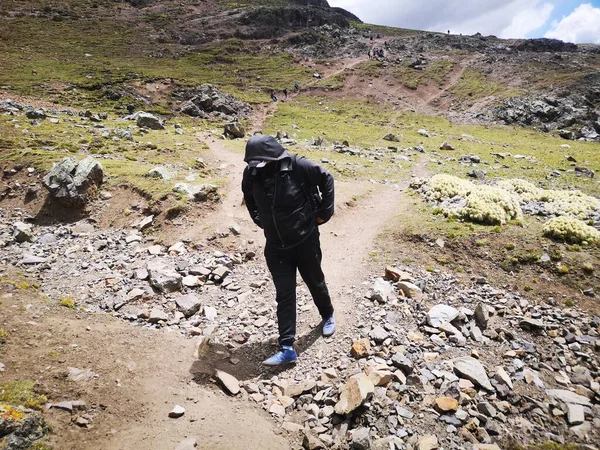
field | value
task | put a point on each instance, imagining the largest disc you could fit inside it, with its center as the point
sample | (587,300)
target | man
(289,197)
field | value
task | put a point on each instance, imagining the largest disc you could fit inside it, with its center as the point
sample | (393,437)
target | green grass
(383,30)
(21,393)
(435,72)
(474,85)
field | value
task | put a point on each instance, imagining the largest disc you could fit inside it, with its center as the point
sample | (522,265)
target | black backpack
(311,192)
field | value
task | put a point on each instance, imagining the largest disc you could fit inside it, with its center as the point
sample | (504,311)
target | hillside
(463,258)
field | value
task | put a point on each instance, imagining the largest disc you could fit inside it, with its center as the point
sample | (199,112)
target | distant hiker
(448,31)
(378,36)
(289,197)
(296,86)
(273,96)
(370,53)
(130,109)
(285,92)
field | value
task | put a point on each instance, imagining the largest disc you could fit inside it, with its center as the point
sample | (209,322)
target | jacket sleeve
(249,197)
(316,176)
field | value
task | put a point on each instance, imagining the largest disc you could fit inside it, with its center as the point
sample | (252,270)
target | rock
(378,334)
(352,395)
(502,377)
(146,222)
(361,348)
(234,129)
(70,182)
(486,447)
(277,409)
(361,439)
(162,277)
(32,259)
(135,294)
(487,409)
(402,363)
(446,146)
(35,114)
(20,427)
(383,292)
(206,99)
(22,232)
(147,120)
(81,375)
(188,304)
(229,382)
(157,315)
(177,412)
(446,405)
(428,442)
(575,414)
(391,138)
(210,313)
(160,172)
(297,389)
(440,314)
(310,442)
(410,290)
(198,192)
(187,444)
(568,397)
(531,324)
(472,370)
(190,281)
(423,132)
(394,274)
(482,316)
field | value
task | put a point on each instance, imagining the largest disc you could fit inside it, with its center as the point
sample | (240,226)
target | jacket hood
(264,148)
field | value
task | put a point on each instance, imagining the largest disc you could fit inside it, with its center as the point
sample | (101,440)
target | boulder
(440,314)
(357,390)
(71,183)
(163,278)
(147,120)
(472,370)
(198,193)
(234,129)
(361,348)
(446,405)
(569,397)
(410,290)
(22,232)
(20,427)
(35,114)
(188,304)
(160,172)
(391,138)
(383,291)
(446,146)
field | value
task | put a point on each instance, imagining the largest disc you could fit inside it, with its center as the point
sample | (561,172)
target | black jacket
(285,197)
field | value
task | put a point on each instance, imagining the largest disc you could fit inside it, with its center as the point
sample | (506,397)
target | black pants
(306,257)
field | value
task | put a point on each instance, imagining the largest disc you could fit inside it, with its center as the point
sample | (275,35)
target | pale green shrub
(444,186)
(571,230)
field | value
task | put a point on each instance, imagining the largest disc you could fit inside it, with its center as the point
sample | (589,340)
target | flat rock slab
(229,382)
(568,397)
(187,444)
(358,389)
(472,370)
(177,412)
(440,314)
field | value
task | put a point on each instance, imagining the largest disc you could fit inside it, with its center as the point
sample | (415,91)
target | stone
(198,192)
(146,222)
(234,129)
(410,290)
(403,363)
(361,439)
(502,377)
(391,137)
(190,281)
(423,132)
(177,412)
(157,315)
(472,370)
(160,172)
(428,442)
(358,389)
(147,120)
(188,304)
(531,324)
(277,409)
(394,274)
(575,414)
(135,294)
(446,404)
(71,183)
(440,314)
(568,397)
(311,442)
(446,146)
(361,348)
(292,427)
(487,409)
(81,375)
(383,292)
(297,389)
(378,334)
(187,444)
(22,232)
(162,277)
(229,382)
(210,313)
(32,259)
(482,316)
(486,447)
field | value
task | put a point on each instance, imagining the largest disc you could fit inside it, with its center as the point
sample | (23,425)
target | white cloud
(504,18)
(581,26)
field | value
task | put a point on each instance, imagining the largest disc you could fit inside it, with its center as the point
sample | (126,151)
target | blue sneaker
(329,326)
(285,355)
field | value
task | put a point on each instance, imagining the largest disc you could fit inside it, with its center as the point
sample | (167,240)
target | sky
(575,21)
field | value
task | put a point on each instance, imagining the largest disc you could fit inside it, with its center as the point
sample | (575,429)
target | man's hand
(320,221)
